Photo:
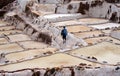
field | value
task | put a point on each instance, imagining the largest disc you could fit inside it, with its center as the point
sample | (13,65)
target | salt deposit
(104,26)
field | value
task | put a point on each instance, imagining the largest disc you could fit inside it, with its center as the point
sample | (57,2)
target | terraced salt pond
(62,17)
(104,51)
(45,62)
(67,23)
(95,40)
(88,34)
(9,32)
(2,23)
(51,16)
(106,25)
(93,21)
(22,52)
(78,28)
(33,45)
(8,48)
(18,37)
(29,54)
(3,41)
(41,13)
(100,39)
(4,28)
(84,21)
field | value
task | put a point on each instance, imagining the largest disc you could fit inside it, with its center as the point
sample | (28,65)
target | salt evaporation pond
(56,60)
(104,51)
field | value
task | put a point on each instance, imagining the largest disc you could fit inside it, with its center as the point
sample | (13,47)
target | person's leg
(64,39)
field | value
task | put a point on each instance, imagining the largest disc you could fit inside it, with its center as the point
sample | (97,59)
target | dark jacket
(64,32)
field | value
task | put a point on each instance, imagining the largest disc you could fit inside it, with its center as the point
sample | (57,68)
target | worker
(64,34)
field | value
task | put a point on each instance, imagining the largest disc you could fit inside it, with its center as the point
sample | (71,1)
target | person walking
(64,34)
